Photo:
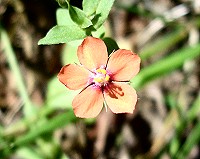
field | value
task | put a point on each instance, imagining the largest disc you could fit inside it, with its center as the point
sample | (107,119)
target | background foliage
(36,117)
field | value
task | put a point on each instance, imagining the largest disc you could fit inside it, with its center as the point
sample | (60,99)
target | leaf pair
(74,23)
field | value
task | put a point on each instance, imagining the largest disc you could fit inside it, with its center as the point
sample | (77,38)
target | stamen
(98,79)
(103,71)
(106,107)
(101,77)
(107,78)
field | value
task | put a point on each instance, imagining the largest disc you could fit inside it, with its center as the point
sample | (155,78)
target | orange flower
(102,78)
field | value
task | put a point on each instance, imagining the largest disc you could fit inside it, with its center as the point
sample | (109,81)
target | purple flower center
(100,77)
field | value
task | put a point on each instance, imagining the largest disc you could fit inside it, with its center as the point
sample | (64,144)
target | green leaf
(62,34)
(62,3)
(79,17)
(58,96)
(102,12)
(99,33)
(90,7)
(111,45)
(63,18)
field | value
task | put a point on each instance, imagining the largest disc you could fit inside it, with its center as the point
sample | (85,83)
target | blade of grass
(194,110)
(44,128)
(164,43)
(28,108)
(191,141)
(25,123)
(192,113)
(164,66)
(159,145)
(181,123)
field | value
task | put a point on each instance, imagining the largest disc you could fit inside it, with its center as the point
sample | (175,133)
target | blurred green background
(36,117)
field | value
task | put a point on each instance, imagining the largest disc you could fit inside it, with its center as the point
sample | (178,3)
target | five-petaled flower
(101,78)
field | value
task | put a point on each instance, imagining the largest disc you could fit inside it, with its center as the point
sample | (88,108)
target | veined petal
(123,65)
(74,76)
(88,103)
(120,97)
(92,53)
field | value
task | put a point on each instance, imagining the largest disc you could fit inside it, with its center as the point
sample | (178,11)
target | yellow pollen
(101,70)
(101,77)
(107,78)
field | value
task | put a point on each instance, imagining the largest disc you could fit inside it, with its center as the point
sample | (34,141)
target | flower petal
(92,53)
(123,65)
(120,97)
(74,76)
(88,103)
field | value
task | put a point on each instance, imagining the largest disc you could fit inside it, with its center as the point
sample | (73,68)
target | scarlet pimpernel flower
(102,79)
